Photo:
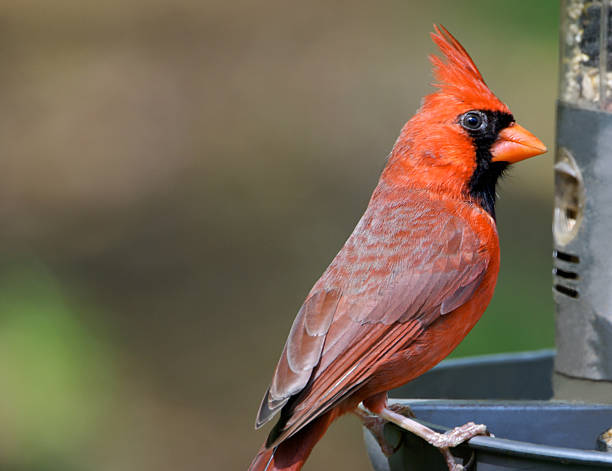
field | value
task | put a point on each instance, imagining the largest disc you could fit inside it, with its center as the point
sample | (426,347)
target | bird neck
(441,182)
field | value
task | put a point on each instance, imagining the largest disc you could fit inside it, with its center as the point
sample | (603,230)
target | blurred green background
(176,174)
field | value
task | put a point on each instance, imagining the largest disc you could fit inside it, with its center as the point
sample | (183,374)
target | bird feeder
(548,411)
(582,227)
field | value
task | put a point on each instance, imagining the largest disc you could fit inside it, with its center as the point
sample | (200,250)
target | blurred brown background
(174,177)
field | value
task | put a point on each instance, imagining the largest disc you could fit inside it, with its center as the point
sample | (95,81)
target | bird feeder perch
(548,411)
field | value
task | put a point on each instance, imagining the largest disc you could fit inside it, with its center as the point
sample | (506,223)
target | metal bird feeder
(548,411)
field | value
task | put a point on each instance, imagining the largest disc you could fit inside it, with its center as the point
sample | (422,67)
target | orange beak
(514,144)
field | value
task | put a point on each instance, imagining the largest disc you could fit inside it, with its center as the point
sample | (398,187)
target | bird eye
(473,120)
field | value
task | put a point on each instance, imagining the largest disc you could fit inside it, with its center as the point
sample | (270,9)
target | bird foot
(442,441)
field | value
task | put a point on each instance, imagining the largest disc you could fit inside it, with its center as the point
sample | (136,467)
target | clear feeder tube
(586,76)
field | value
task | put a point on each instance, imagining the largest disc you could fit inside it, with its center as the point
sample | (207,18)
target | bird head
(463,137)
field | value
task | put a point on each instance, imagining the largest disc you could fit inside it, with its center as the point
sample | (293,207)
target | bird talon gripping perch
(412,279)
(442,441)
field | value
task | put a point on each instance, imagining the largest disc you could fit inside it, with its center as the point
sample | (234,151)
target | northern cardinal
(412,279)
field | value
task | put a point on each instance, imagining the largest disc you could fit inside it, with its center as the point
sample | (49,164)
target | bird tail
(291,454)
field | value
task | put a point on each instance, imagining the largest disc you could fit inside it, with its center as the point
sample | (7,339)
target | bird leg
(442,441)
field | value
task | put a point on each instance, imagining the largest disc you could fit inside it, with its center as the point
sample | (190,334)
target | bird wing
(409,261)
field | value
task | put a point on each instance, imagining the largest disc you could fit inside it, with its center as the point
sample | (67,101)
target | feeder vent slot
(566,257)
(572,293)
(568,275)
(565,274)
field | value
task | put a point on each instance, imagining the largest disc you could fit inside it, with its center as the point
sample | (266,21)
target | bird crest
(456,74)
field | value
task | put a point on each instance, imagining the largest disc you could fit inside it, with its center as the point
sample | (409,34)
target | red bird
(413,278)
